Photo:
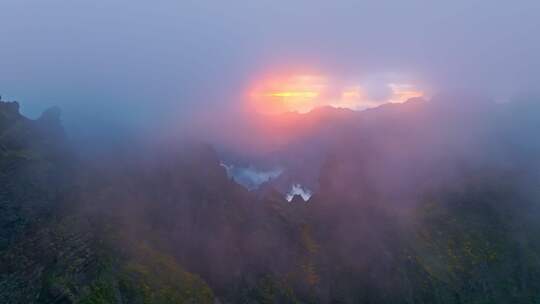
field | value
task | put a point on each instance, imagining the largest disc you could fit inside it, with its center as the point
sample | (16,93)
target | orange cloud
(304,92)
(404,92)
(297,92)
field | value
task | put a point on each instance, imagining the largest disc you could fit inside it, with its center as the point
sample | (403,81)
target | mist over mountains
(429,201)
(257,152)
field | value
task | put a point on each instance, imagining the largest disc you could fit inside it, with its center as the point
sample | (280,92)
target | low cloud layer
(251,177)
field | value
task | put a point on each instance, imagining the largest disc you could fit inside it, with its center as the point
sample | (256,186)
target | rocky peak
(51,114)
(9,114)
(11,107)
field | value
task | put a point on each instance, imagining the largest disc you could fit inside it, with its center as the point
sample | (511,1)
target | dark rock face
(31,169)
(53,248)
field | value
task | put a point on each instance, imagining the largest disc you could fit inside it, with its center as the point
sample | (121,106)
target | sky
(145,62)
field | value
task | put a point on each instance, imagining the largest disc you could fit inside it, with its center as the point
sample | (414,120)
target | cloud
(297,189)
(251,177)
(302,92)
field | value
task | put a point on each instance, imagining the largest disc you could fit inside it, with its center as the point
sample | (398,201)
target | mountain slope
(415,203)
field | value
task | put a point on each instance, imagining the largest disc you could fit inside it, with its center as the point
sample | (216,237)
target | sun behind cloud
(288,93)
(302,92)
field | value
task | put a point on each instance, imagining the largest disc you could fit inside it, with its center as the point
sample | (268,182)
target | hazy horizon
(131,63)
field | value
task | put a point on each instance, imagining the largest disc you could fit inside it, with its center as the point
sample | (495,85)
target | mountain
(386,144)
(53,249)
(422,202)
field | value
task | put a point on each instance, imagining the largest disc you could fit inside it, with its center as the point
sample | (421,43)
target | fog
(135,64)
(182,162)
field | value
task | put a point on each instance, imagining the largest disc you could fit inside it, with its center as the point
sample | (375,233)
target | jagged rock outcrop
(52,248)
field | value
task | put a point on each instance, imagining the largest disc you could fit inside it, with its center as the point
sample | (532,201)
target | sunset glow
(404,92)
(288,93)
(306,94)
(303,92)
